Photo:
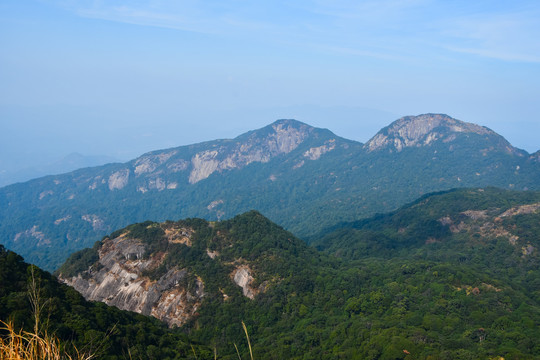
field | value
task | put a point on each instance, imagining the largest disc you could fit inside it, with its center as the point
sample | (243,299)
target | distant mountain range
(303,178)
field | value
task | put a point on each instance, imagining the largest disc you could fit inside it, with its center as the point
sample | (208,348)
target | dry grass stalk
(36,345)
(24,345)
(249,342)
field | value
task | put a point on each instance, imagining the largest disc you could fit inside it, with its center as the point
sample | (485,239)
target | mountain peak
(421,130)
(289,122)
(280,128)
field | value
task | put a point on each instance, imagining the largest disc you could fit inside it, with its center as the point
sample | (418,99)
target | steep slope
(491,228)
(300,304)
(95,328)
(167,270)
(304,178)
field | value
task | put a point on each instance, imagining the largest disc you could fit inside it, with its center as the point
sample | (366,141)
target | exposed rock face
(284,138)
(178,165)
(476,214)
(61,220)
(151,277)
(45,193)
(149,163)
(179,236)
(98,180)
(166,183)
(422,130)
(118,280)
(242,277)
(204,164)
(156,183)
(214,204)
(523,209)
(118,179)
(316,152)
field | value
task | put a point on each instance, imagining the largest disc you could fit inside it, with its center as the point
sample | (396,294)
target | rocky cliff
(119,279)
(161,269)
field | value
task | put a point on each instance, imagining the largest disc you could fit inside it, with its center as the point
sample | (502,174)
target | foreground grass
(19,345)
(37,344)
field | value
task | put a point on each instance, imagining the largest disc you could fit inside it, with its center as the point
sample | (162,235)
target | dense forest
(454,275)
(91,327)
(322,181)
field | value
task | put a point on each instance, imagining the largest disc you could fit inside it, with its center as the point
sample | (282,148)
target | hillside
(303,178)
(144,266)
(461,296)
(92,327)
(494,231)
(486,214)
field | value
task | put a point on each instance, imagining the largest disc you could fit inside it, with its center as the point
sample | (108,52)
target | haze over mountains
(71,162)
(303,178)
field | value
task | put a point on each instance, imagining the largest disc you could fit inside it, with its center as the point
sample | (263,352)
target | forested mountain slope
(92,327)
(458,218)
(451,276)
(305,179)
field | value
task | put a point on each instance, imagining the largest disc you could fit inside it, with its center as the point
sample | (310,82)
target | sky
(120,78)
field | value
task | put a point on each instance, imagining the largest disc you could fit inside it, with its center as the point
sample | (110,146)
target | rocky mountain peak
(422,130)
(281,136)
(289,123)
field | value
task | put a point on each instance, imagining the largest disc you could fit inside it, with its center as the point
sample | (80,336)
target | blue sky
(123,77)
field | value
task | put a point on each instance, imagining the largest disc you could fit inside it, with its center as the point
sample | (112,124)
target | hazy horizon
(122,78)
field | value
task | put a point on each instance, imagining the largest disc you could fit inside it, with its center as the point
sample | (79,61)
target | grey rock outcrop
(117,279)
(422,130)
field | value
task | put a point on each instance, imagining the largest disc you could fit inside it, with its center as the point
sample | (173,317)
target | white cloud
(509,36)
(380,29)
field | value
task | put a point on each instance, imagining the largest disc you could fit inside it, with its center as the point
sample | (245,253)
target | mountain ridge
(453,274)
(304,178)
(485,214)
